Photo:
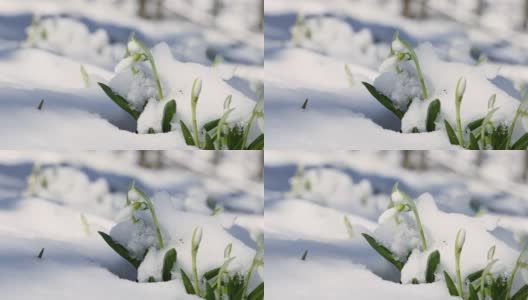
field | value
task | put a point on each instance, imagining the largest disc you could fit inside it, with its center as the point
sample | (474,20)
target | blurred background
(475,183)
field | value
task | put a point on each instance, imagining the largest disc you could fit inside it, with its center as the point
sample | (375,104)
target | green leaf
(168,113)
(186,134)
(522,293)
(151,279)
(304,255)
(473,144)
(472,293)
(521,143)
(500,138)
(41,103)
(168,263)
(211,273)
(187,283)
(257,144)
(432,263)
(257,293)
(475,124)
(384,252)
(305,104)
(120,101)
(211,125)
(209,292)
(475,275)
(41,253)
(119,249)
(384,100)
(209,145)
(450,133)
(432,114)
(450,285)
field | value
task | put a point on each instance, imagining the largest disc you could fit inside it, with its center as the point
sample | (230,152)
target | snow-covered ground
(59,202)
(308,195)
(44,44)
(320,52)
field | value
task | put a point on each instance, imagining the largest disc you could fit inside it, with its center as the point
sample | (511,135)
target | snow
(93,35)
(64,219)
(446,193)
(451,43)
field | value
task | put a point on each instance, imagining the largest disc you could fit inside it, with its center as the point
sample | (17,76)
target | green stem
(414,57)
(512,275)
(154,218)
(417,217)
(458,121)
(194,101)
(510,130)
(248,275)
(246,130)
(153,66)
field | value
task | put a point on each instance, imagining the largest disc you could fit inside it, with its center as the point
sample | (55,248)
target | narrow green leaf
(450,133)
(384,252)
(521,143)
(257,293)
(211,125)
(168,263)
(41,253)
(472,293)
(475,124)
(209,292)
(168,113)
(120,101)
(187,283)
(384,100)
(450,285)
(304,255)
(522,293)
(473,144)
(475,275)
(151,279)
(211,273)
(41,103)
(209,145)
(186,134)
(257,144)
(432,113)
(305,104)
(432,263)
(119,249)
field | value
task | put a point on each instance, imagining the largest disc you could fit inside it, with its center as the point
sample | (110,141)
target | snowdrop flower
(197,238)
(398,46)
(196,89)
(134,47)
(124,64)
(388,214)
(460,240)
(388,64)
(461,88)
(259,111)
(397,196)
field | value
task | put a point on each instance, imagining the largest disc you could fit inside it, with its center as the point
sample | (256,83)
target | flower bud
(124,64)
(460,240)
(397,196)
(387,215)
(196,89)
(461,88)
(134,47)
(196,238)
(398,46)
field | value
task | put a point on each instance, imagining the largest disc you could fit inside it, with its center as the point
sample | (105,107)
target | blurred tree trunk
(159,9)
(406,159)
(423,9)
(142,8)
(150,159)
(423,160)
(217,7)
(479,9)
(261,15)
(261,166)
(525,23)
(406,8)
